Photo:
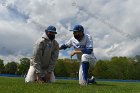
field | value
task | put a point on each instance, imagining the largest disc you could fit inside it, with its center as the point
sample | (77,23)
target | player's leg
(92,62)
(81,80)
(92,80)
(52,79)
(83,71)
(30,77)
(48,77)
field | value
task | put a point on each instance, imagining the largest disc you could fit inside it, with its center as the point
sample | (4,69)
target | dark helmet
(51,29)
(78,28)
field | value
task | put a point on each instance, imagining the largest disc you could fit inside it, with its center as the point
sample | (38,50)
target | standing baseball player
(45,54)
(83,47)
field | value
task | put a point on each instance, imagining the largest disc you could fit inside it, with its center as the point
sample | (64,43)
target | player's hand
(48,76)
(72,53)
(38,78)
(77,51)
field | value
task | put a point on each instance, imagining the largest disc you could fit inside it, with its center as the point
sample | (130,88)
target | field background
(17,85)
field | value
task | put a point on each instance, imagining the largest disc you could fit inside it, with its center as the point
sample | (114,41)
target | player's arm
(63,47)
(54,57)
(67,45)
(76,51)
(37,55)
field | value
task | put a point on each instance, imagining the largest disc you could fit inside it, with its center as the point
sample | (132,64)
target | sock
(85,66)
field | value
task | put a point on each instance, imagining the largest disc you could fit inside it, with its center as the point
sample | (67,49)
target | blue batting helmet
(78,28)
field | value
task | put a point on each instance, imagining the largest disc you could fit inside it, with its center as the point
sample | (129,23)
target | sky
(113,24)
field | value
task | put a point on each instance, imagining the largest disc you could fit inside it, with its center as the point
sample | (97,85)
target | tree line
(115,68)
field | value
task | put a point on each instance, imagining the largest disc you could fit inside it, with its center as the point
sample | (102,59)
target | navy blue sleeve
(63,46)
(87,51)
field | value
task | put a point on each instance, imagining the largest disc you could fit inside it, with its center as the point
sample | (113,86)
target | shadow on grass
(74,83)
(68,83)
(103,84)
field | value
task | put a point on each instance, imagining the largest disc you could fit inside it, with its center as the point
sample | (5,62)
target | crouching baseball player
(83,47)
(45,54)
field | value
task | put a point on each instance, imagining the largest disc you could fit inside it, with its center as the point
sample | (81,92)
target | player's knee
(84,58)
(27,80)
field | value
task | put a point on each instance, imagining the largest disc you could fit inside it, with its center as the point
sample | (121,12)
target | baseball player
(45,54)
(83,47)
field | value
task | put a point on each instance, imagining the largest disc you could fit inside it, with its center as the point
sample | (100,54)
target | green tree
(23,66)
(72,66)
(60,69)
(120,68)
(101,69)
(136,73)
(1,66)
(11,68)
(137,58)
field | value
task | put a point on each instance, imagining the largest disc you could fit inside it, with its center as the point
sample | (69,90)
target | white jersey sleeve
(69,43)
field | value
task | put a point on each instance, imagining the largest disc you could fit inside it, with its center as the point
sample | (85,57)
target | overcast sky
(114,25)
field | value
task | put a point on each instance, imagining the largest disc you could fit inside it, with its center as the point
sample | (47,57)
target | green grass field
(17,85)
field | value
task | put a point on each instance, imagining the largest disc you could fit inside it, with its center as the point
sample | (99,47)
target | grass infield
(17,85)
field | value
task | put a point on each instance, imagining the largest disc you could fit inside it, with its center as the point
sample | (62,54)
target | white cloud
(114,25)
